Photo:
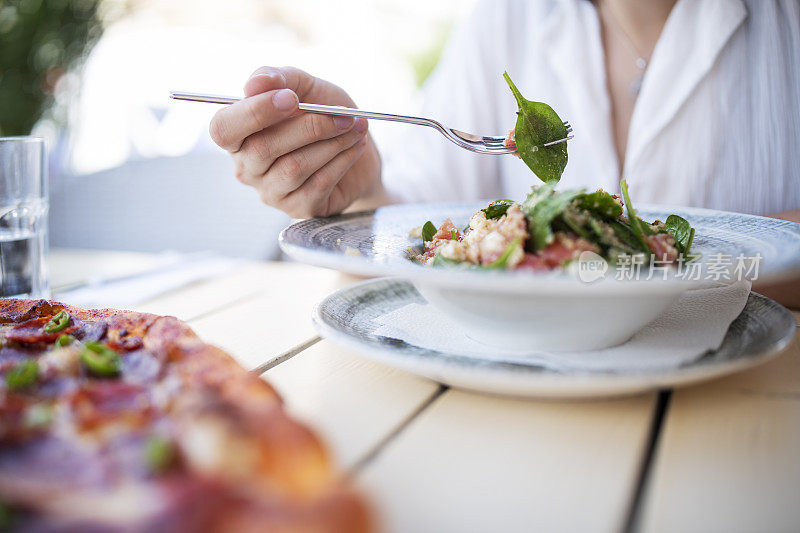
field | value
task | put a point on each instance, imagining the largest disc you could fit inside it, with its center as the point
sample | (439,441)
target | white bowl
(549,311)
(551,322)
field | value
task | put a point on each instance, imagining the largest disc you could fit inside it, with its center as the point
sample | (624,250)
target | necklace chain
(640,60)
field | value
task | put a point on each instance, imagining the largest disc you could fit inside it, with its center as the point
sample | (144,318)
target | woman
(694,102)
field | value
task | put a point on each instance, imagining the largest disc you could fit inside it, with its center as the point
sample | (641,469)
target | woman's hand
(304,164)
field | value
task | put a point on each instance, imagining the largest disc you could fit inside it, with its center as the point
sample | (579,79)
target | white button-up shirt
(716,122)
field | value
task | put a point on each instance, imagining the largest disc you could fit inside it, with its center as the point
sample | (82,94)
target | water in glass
(23,218)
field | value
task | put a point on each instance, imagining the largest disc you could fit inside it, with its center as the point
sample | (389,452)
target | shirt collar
(693,37)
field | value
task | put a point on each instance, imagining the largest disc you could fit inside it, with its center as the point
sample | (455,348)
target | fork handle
(311,108)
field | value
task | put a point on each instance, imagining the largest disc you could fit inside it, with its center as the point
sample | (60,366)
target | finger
(290,171)
(265,79)
(234,123)
(314,197)
(299,81)
(264,147)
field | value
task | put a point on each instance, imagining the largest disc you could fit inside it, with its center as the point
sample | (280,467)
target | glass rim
(22,138)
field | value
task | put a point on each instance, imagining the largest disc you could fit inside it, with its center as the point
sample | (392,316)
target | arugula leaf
(681,231)
(440,260)
(541,207)
(497,208)
(428,231)
(575,222)
(601,203)
(538,124)
(499,263)
(607,234)
(634,221)
(502,261)
(630,243)
(453,235)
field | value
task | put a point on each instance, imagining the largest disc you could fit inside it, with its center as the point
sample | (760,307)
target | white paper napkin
(696,323)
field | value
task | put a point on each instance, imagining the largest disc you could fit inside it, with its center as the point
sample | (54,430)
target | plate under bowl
(346,317)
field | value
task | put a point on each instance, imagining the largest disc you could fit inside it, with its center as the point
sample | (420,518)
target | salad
(552,228)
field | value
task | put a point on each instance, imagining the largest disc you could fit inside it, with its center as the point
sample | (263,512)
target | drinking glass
(23,217)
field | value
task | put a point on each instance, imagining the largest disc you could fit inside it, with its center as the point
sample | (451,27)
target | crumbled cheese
(65,360)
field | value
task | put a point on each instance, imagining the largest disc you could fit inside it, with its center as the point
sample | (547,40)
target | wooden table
(721,456)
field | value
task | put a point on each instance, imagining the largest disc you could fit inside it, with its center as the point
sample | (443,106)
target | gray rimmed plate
(376,243)
(347,317)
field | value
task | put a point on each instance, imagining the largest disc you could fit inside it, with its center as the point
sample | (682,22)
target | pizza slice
(120,421)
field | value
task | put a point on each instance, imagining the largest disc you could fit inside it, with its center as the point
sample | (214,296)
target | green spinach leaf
(681,231)
(541,207)
(497,208)
(538,124)
(428,231)
(600,203)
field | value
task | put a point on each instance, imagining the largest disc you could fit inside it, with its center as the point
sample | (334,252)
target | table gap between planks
(719,456)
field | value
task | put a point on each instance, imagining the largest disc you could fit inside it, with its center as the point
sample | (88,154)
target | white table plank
(197,299)
(353,403)
(728,459)
(276,319)
(478,463)
(727,462)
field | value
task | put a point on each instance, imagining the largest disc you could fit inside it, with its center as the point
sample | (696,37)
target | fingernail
(284,100)
(343,123)
(361,125)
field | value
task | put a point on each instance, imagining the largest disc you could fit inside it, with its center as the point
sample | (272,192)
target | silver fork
(494,145)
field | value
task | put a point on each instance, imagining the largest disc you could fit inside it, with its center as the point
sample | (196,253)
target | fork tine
(565,139)
(493,140)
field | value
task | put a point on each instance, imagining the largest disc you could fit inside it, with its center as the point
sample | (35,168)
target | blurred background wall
(131,169)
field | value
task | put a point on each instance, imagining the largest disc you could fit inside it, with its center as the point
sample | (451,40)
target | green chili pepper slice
(59,322)
(64,340)
(158,453)
(100,359)
(23,375)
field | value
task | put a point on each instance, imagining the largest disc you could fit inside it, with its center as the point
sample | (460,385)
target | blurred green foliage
(40,40)
(426,60)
